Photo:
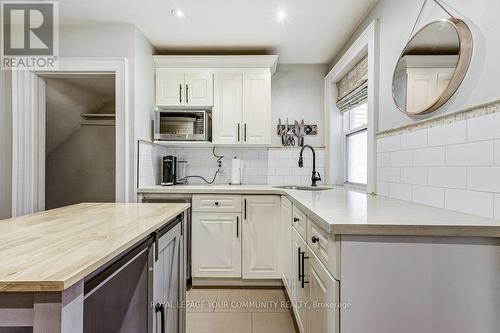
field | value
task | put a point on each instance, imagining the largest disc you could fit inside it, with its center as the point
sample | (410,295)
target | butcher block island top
(52,250)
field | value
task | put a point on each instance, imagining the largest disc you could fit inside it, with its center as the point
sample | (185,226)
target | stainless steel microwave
(182,125)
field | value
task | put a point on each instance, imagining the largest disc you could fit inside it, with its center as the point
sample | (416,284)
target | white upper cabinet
(257,108)
(261,237)
(184,87)
(242,108)
(169,86)
(227,110)
(199,88)
(237,89)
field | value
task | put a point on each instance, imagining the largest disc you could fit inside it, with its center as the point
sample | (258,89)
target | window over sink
(356,142)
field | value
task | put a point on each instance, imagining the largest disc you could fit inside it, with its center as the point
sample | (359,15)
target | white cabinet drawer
(216,203)
(326,247)
(299,222)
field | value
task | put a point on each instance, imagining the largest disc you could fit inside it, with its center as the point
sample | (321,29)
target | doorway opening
(80,139)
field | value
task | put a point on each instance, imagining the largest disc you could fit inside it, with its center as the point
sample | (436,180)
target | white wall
(5,146)
(396,20)
(298,93)
(144,85)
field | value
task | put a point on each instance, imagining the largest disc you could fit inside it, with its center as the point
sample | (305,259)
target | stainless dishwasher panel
(117,299)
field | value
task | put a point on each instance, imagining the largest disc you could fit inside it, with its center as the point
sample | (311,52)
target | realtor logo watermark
(30,35)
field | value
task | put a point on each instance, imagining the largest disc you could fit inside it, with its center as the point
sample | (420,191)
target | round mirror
(432,66)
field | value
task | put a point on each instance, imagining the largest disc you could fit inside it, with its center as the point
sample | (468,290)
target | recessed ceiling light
(280,15)
(177,12)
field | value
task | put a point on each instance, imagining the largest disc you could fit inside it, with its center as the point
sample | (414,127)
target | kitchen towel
(235,171)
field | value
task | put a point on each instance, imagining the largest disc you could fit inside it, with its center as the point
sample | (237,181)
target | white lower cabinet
(286,243)
(236,236)
(313,290)
(216,244)
(324,291)
(299,285)
(261,242)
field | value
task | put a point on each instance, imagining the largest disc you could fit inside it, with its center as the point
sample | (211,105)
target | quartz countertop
(345,211)
(52,250)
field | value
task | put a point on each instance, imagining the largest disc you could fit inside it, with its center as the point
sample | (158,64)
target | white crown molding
(217,61)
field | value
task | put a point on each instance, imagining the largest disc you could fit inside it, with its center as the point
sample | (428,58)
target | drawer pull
(216,203)
(314,239)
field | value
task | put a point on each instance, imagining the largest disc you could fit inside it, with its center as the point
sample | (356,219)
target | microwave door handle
(180,93)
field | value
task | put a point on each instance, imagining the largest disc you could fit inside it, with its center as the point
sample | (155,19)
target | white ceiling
(313,31)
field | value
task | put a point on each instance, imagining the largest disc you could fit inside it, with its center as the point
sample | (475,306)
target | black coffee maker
(169,170)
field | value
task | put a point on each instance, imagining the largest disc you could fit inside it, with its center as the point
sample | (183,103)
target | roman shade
(353,87)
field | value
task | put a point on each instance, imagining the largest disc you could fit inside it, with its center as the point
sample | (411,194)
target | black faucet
(316,177)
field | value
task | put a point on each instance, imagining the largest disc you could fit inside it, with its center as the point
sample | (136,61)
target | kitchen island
(55,263)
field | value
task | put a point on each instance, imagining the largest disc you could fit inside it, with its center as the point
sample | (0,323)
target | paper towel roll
(235,171)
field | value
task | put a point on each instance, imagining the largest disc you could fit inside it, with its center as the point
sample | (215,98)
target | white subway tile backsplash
(391,143)
(485,179)
(434,156)
(400,191)
(389,174)
(426,195)
(484,128)
(383,188)
(453,165)
(448,134)
(470,154)
(275,180)
(384,159)
(477,203)
(497,206)
(414,175)
(401,158)
(449,177)
(497,152)
(259,165)
(417,139)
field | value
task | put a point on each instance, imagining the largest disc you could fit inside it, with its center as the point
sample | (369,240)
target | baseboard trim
(230,282)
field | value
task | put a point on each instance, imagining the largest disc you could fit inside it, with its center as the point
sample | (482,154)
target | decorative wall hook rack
(298,130)
(308,129)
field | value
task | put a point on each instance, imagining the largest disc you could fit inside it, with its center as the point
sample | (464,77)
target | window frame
(345,135)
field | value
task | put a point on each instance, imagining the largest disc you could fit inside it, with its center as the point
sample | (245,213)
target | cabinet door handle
(298,262)
(155,236)
(245,133)
(296,219)
(187,94)
(180,93)
(238,130)
(304,270)
(245,209)
(314,239)
(161,309)
(237,226)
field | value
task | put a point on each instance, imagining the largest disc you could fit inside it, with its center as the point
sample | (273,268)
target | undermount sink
(304,188)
